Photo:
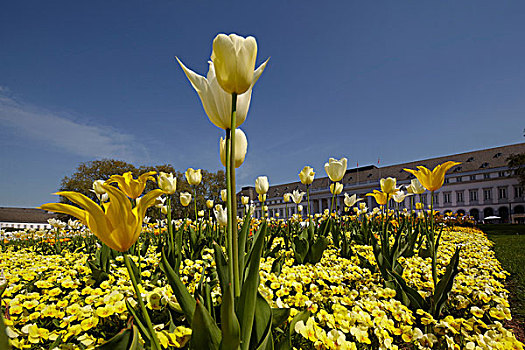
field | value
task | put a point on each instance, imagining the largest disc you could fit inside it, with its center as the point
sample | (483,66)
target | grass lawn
(502,229)
(510,251)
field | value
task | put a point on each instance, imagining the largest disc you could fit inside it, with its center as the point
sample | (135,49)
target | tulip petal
(66,209)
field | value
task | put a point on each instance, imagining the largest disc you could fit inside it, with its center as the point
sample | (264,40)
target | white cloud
(76,137)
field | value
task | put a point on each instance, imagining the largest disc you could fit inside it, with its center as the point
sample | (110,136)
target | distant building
(24,218)
(481,186)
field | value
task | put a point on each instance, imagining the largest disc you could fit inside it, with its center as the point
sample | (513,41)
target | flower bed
(51,300)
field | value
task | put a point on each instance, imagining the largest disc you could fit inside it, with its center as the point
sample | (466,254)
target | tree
(86,173)
(516,163)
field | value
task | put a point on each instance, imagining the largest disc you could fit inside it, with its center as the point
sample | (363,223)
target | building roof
(474,161)
(25,215)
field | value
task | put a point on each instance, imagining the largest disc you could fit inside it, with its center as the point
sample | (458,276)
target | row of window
(474,177)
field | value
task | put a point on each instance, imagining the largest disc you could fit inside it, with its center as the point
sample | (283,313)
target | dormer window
(457,169)
(484,165)
(497,155)
(471,159)
(369,175)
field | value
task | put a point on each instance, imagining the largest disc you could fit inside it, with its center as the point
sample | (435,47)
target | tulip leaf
(127,339)
(221,266)
(300,248)
(184,298)
(262,325)
(205,332)
(231,331)
(4,341)
(445,284)
(243,234)
(278,265)
(247,301)
(139,320)
(316,250)
(279,316)
(415,300)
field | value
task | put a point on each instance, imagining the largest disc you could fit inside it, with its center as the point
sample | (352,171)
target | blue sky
(403,81)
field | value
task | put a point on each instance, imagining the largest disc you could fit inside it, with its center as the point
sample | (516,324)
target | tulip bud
(224,195)
(194,177)
(200,213)
(245,200)
(307,175)
(336,188)
(209,203)
(167,182)
(419,206)
(234,59)
(185,198)
(164,209)
(265,208)
(241,147)
(299,208)
(276,215)
(287,197)
(262,185)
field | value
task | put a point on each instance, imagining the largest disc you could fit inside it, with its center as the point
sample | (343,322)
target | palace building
(481,186)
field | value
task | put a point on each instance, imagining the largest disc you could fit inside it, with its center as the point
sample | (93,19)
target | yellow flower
(131,187)
(234,59)
(432,180)
(336,188)
(307,175)
(167,182)
(185,199)
(194,177)
(118,225)
(336,169)
(379,196)
(388,185)
(262,185)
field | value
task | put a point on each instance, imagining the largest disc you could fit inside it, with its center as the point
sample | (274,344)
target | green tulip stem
(308,199)
(433,243)
(170,228)
(195,201)
(156,344)
(232,197)
(229,226)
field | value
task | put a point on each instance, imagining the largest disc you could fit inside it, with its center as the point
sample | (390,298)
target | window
(472,177)
(436,199)
(459,179)
(473,195)
(486,176)
(502,193)
(459,197)
(446,180)
(423,198)
(487,194)
(518,192)
(446,197)
(501,173)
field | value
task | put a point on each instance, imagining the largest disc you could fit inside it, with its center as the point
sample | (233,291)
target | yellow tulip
(234,60)
(262,185)
(185,199)
(432,180)
(388,185)
(167,182)
(209,203)
(194,177)
(131,187)
(118,225)
(336,169)
(415,187)
(379,196)
(245,200)
(241,147)
(307,175)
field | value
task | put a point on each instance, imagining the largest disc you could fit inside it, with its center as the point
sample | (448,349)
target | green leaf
(300,247)
(286,343)
(317,249)
(187,303)
(139,320)
(279,316)
(221,267)
(4,341)
(231,331)
(247,301)
(127,339)
(262,325)
(243,234)
(145,246)
(416,301)
(205,332)
(445,284)
(278,265)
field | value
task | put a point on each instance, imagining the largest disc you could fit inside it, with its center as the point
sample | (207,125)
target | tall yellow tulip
(234,60)
(432,180)
(118,225)
(133,188)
